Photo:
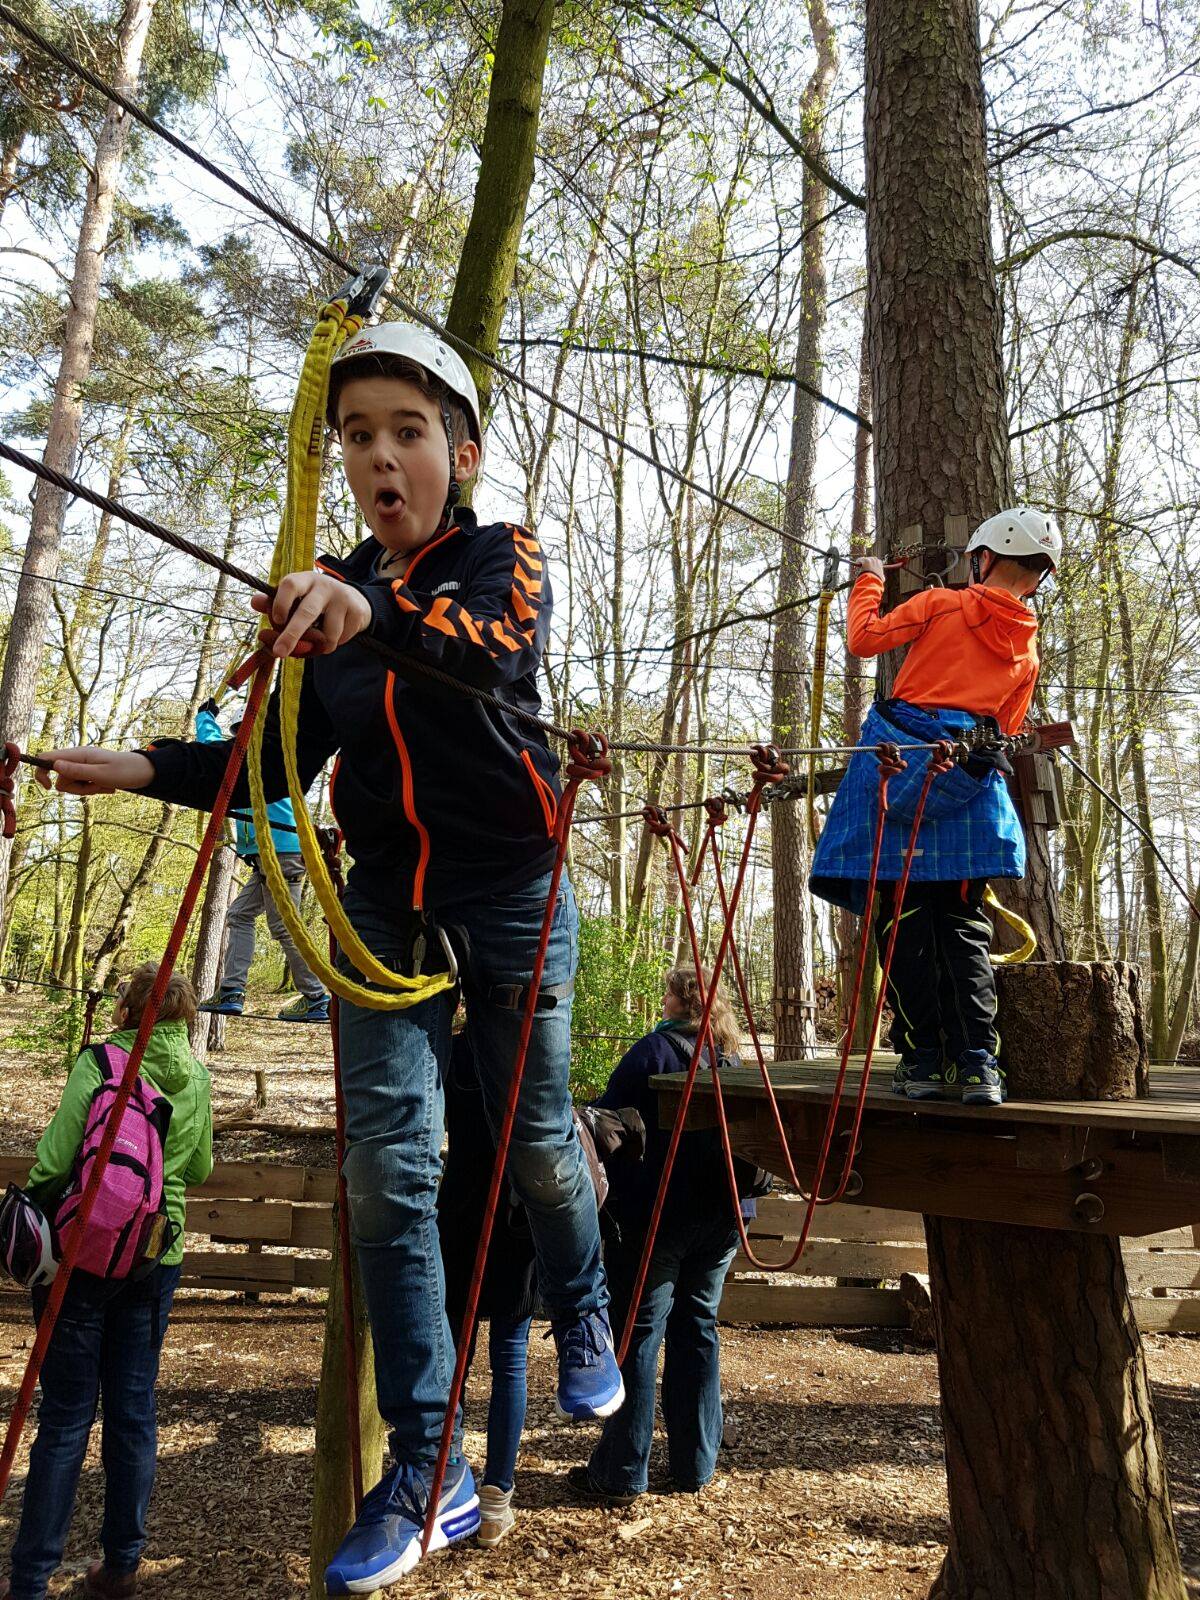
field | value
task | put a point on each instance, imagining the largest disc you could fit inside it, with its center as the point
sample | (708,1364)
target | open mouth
(389,500)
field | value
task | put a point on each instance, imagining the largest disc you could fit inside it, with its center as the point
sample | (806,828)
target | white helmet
(1019,531)
(417,344)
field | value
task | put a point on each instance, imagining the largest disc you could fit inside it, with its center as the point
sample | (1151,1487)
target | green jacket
(187,1159)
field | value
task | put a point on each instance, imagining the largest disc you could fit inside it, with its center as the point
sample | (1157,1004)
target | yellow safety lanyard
(295,551)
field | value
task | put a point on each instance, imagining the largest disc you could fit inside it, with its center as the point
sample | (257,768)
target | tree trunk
(1056,1481)
(489,253)
(333,1496)
(114,940)
(854,710)
(941,428)
(31,611)
(795,1025)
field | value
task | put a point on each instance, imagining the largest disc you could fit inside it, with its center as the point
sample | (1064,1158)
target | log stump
(1072,1030)
(333,1494)
(1055,1474)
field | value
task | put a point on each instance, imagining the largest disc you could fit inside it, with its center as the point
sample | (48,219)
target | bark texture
(795,1025)
(1056,1479)
(31,610)
(489,253)
(1072,1030)
(333,1494)
(933,310)
(1057,1482)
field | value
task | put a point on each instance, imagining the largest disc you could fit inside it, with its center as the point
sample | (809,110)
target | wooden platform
(1124,1167)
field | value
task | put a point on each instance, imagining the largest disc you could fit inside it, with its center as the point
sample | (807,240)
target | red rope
(8,783)
(263,668)
(588,759)
(939,762)
(331,841)
(769,768)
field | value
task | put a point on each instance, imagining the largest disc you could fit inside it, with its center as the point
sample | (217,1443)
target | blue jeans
(508,1353)
(105,1348)
(392,1065)
(679,1304)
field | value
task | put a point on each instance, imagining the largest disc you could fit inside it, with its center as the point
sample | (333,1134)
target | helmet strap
(976,566)
(454,489)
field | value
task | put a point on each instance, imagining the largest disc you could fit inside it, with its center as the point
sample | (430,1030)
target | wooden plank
(1167,1316)
(833,1259)
(1163,1269)
(320,1183)
(266,1221)
(242,1268)
(914,1165)
(253,1180)
(781,1215)
(313,1272)
(312,1227)
(811,1308)
(14,1169)
(1172,1107)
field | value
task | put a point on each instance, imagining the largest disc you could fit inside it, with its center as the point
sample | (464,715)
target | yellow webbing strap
(824,602)
(1027,948)
(295,551)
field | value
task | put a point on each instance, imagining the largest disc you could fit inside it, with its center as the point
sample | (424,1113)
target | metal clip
(829,571)
(362,291)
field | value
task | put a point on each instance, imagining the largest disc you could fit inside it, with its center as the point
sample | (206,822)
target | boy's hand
(89,770)
(871,564)
(310,603)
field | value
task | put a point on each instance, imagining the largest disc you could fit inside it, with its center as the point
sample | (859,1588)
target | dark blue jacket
(440,798)
(699,1181)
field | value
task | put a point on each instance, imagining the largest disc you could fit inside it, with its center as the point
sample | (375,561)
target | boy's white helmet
(1019,531)
(410,340)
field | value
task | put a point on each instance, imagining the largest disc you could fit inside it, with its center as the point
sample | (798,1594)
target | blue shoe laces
(400,1492)
(581,1342)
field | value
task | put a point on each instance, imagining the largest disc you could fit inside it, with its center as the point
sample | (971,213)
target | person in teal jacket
(106,1342)
(254,900)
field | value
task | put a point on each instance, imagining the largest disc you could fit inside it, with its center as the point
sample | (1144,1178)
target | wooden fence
(267,1228)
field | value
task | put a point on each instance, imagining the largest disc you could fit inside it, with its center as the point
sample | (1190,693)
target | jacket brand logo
(448,588)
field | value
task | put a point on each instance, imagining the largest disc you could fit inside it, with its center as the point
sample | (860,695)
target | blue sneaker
(981,1078)
(226,1003)
(919,1076)
(302,1009)
(385,1541)
(589,1380)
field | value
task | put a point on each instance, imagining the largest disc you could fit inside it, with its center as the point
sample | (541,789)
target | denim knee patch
(545,1173)
(386,1196)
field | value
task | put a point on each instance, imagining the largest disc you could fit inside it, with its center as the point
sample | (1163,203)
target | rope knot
(891,763)
(588,755)
(715,806)
(769,765)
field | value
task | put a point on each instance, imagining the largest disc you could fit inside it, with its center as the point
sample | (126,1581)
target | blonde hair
(683,983)
(178,1004)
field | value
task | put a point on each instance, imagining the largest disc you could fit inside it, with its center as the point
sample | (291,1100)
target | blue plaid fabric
(970,830)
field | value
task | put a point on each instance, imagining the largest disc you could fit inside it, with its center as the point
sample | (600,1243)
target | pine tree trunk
(210,945)
(31,611)
(795,1025)
(1056,1481)
(333,1498)
(489,253)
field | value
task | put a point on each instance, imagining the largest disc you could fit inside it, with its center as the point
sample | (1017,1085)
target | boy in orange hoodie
(972,656)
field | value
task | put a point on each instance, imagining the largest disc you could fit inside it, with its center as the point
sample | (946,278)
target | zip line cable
(399,658)
(310,242)
(1133,822)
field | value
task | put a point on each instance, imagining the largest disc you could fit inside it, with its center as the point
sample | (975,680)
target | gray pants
(251,901)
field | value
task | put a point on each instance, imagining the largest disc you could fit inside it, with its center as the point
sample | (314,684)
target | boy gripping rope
(972,657)
(448,808)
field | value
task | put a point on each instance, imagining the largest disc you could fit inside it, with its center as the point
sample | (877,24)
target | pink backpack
(128,1231)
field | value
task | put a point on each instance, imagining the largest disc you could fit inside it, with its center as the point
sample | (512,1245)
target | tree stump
(333,1494)
(1072,1030)
(1055,1474)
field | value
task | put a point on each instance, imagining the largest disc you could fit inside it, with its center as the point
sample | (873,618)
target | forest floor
(833,1488)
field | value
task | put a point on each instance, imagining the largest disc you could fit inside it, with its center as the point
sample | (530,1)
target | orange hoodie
(972,649)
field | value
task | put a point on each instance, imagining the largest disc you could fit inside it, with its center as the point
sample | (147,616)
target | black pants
(941,986)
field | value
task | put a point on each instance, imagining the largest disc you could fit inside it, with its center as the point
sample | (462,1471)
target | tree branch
(1020,257)
(761,103)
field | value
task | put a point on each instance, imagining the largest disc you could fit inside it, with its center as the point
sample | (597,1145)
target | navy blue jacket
(699,1181)
(441,799)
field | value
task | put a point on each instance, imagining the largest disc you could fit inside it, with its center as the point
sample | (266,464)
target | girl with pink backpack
(105,1349)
